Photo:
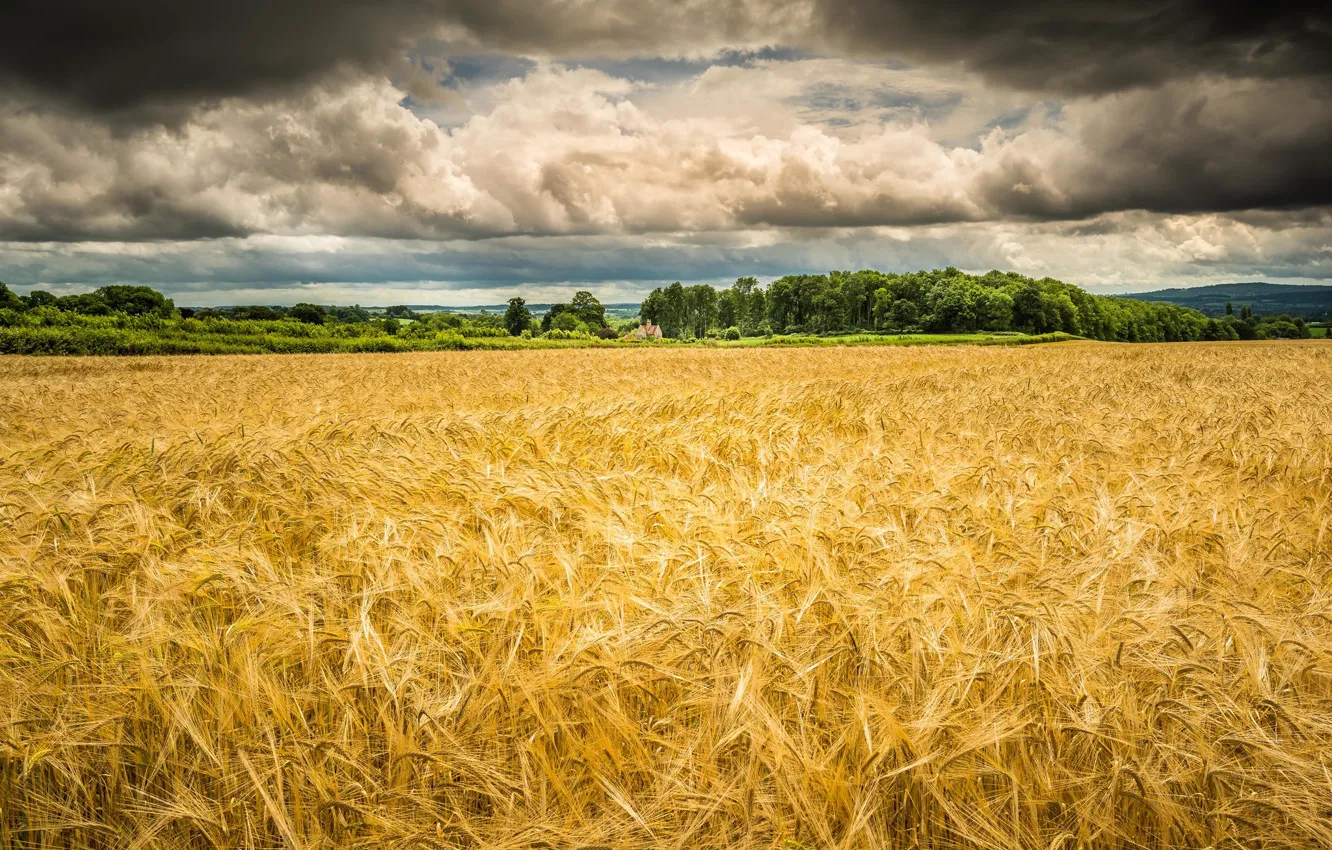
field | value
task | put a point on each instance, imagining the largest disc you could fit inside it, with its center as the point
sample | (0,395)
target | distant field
(1061,596)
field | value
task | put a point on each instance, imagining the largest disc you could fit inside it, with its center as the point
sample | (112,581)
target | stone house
(645,331)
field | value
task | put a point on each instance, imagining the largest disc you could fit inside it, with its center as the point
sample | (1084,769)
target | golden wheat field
(1065,596)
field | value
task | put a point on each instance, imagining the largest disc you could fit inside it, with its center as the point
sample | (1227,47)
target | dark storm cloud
(136,53)
(125,55)
(1180,148)
(1090,46)
(121,55)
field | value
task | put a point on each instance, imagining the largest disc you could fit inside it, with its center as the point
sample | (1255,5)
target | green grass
(227,337)
(75,340)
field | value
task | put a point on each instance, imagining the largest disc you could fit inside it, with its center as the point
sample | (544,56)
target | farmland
(1054,596)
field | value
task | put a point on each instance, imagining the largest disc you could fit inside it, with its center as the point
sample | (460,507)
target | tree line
(937,301)
(1278,326)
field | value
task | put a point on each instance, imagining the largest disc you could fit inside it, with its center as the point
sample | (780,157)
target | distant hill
(1307,302)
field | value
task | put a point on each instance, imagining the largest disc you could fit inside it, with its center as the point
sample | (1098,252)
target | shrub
(732,333)
(472,330)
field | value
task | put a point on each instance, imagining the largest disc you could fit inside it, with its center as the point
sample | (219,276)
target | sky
(439,152)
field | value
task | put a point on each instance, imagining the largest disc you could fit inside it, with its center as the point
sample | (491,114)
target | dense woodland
(940,301)
(795,308)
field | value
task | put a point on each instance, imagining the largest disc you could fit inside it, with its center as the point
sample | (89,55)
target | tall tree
(728,312)
(674,317)
(756,314)
(653,309)
(8,300)
(588,310)
(701,307)
(780,299)
(517,318)
(743,291)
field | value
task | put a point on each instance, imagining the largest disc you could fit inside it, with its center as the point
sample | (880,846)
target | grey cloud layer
(1116,253)
(572,151)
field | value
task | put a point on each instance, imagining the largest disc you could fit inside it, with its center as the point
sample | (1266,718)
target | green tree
(858,290)
(748,298)
(954,305)
(136,300)
(310,314)
(555,311)
(517,318)
(87,304)
(994,310)
(256,311)
(1067,312)
(728,311)
(588,309)
(781,301)
(565,321)
(828,307)
(905,313)
(700,308)
(883,306)
(38,298)
(755,317)
(354,315)
(653,308)
(673,321)
(8,300)
(807,298)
